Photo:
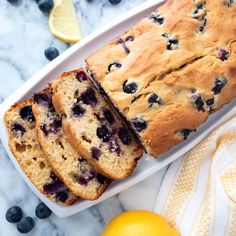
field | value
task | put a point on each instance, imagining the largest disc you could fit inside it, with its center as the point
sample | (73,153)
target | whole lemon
(139,223)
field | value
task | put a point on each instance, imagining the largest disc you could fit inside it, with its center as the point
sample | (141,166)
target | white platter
(74,58)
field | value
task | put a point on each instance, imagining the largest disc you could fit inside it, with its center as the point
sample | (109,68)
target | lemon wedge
(63,21)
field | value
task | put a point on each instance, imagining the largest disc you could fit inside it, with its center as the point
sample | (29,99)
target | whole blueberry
(42,211)
(130,88)
(51,53)
(14,214)
(113,2)
(13,1)
(25,225)
(45,5)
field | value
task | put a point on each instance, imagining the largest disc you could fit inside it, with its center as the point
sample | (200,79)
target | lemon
(139,223)
(63,21)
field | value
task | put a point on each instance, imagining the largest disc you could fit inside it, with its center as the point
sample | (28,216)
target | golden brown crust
(184,56)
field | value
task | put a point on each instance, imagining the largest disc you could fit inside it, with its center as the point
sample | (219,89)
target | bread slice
(93,128)
(72,168)
(24,145)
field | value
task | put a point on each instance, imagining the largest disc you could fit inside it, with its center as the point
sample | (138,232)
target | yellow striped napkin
(198,194)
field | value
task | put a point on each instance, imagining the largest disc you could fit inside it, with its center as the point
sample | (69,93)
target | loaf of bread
(23,143)
(171,70)
(72,168)
(93,128)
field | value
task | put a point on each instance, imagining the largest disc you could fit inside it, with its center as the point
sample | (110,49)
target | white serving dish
(74,58)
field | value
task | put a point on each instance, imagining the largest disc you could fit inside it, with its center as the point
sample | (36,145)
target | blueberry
(103,133)
(130,88)
(108,115)
(81,76)
(229,3)
(25,225)
(27,114)
(220,82)
(86,177)
(13,1)
(18,129)
(45,5)
(124,136)
(185,133)
(42,211)
(96,153)
(114,2)
(51,53)
(210,102)
(198,102)
(129,38)
(62,196)
(77,110)
(139,123)
(54,186)
(223,54)
(103,179)
(89,97)
(203,25)
(124,45)
(114,64)
(156,18)
(114,147)
(43,99)
(154,98)
(14,214)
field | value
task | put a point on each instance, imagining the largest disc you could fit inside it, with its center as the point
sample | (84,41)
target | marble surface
(24,35)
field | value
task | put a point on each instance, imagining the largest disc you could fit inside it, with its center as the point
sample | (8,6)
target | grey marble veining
(24,35)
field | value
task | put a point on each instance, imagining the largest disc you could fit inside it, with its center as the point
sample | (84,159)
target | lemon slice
(63,21)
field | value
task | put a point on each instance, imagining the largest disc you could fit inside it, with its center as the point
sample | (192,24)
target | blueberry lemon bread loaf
(92,127)
(24,146)
(73,169)
(171,70)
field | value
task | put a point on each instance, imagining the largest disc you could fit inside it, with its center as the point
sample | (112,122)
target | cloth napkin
(198,193)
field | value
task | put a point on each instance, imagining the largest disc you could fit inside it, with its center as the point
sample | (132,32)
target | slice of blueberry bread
(24,145)
(92,126)
(72,168)
(171,70)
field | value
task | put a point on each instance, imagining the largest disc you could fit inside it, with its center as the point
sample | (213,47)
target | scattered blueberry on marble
(124,136)
(103,133)
(25,225)
(13,1)
(220,82)
(27,114)
(51,53)
(114,64)
(130,87)
(114,2)
(139,123)
(96,153)
(18,129)
(42,211)
(45,5)
(14,214)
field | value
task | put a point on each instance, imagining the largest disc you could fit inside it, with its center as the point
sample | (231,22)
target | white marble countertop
(24,35)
